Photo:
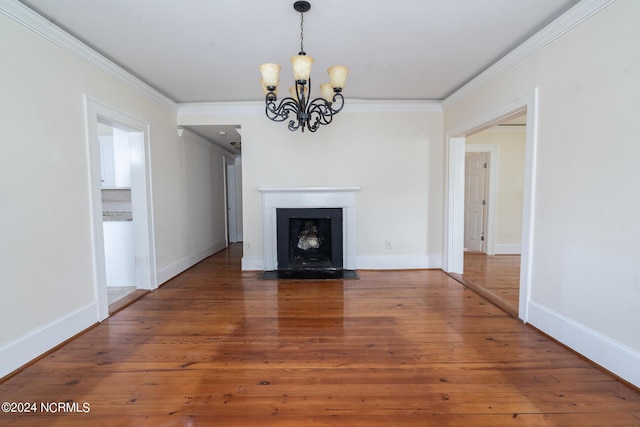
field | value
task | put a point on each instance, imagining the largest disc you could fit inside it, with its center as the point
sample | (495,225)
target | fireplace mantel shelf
(308,189)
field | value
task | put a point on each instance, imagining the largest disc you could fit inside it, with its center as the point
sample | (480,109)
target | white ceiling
(209,50)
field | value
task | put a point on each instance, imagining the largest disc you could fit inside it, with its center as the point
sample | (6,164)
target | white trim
(32,345)
(570,19)
(398,262)
(528,202)
(490,119)
(453,241)
(610,354)
(302,190)
(309,197)
(23,15)
(167,273)
(351,106)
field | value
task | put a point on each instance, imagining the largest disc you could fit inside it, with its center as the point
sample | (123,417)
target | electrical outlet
(248,245)
(387,245)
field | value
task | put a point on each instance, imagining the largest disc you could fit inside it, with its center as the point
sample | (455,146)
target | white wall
(510,147)
(394,156)
(47,283)
(585,277)
(194,206)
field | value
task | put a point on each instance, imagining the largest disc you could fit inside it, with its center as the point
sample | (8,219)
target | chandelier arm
(322,110)
(319,113)
(282,111)
(295,125)
(338,103)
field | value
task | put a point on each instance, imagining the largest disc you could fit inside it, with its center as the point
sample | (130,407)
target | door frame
(142,206)
(453,250)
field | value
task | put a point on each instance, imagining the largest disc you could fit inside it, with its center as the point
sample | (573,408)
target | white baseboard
(166,273)
(251,263)
(606,352)
(25,349)
(397,262)
(507,249)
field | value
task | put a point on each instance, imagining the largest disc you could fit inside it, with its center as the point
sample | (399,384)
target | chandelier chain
(302,33)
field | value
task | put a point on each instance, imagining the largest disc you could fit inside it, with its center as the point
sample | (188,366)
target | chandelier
(306,112)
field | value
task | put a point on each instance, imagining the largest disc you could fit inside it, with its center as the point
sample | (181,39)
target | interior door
(474,201)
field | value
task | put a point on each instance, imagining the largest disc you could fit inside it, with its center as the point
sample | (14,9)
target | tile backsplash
(116,205)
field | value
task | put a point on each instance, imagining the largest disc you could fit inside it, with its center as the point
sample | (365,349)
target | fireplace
(309,239)
(309,232)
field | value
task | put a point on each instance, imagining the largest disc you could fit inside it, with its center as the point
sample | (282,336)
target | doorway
(494,178)
(455,191)
(124,255)
(117,214)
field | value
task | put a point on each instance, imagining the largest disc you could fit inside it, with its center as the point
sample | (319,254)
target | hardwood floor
(219,347)
(495,277)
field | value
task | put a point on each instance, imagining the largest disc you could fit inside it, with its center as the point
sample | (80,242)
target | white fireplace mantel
(309,197)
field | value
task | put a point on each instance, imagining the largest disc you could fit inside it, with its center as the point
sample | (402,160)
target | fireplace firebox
(309,239)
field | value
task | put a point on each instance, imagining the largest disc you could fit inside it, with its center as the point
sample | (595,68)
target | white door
(474,201)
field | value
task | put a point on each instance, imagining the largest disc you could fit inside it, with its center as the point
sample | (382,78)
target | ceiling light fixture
(308,113)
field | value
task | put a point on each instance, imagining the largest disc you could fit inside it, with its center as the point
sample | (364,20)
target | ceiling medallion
(306,112)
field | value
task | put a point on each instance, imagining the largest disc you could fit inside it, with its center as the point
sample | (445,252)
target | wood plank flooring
(219,347)
(495,277)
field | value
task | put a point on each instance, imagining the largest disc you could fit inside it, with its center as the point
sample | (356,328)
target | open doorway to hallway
(228,138)
(494,185)
(453,261)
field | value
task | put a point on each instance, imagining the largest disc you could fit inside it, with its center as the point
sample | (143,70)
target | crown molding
(566,22)
(23,15)
(351,106)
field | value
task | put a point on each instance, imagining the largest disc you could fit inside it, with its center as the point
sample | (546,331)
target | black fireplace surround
(309,244)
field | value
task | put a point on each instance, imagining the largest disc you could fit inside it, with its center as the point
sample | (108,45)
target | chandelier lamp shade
(301,111)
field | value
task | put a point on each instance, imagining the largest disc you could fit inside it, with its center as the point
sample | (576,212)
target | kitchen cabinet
(119,251)
(107,162)
(115,160)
